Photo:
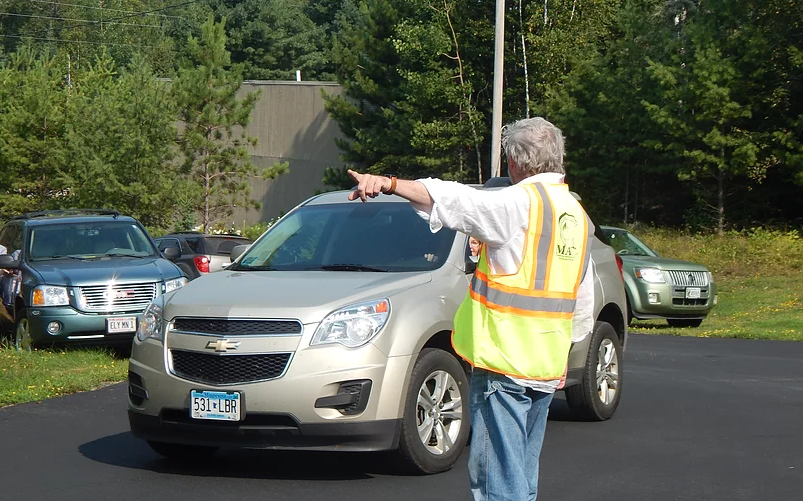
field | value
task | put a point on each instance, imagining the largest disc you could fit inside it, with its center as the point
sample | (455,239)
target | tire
(630,316)
(22,339)
(680,322)
(438,385)
(597,396)
(182,452)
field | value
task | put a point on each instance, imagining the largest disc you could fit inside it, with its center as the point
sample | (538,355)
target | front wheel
(597,396)
(435,424)
(681,322)
(182,452)
(23,341)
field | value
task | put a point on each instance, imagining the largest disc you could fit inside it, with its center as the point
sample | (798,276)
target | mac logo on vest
(566,225)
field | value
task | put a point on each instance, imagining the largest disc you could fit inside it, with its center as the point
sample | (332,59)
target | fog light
(53,328)
(653,298)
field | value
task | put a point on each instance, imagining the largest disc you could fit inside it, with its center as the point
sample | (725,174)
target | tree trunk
(720,201)
(627,194)
(524,60)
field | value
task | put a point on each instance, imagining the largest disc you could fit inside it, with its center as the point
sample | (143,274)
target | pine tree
(121,137)
(33,115)
(212,140)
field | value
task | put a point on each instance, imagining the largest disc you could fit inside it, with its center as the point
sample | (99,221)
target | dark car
(200,253)
(79,276)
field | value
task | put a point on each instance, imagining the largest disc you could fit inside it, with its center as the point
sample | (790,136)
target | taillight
(619,264)
(202,263)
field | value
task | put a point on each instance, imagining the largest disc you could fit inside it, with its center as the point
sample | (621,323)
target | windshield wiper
(62,256)
(119,254)
(251,268)
(349,267)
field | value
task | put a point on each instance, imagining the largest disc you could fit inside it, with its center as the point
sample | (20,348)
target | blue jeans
(508,423)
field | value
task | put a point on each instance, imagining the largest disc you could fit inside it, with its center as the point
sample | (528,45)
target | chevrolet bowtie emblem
(222,345)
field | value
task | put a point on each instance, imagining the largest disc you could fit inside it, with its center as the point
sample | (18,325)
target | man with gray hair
(529,299)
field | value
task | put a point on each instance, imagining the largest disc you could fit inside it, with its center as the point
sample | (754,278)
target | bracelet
(392,186)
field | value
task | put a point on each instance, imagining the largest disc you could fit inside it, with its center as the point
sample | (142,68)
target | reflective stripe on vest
(520,324)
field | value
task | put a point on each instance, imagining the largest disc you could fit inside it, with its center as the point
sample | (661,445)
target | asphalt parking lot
(700,419)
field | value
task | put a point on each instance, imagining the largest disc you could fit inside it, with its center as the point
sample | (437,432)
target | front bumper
(671,301)
(76,326)
(266,431)
(305,407)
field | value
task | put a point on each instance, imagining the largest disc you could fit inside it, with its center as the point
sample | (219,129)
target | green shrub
(755,252)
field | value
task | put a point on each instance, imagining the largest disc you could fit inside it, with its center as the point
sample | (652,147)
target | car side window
(4,239)
(194,245)
(167,243)
(12,239)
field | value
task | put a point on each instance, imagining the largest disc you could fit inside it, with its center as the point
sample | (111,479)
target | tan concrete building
(291,125)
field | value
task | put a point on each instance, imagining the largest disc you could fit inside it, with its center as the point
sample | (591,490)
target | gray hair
(534,145)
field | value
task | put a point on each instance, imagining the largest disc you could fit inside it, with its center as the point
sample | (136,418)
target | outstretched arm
(370,186)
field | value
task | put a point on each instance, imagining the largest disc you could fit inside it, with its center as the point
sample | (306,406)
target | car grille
(228,369)
(688,278)
(229,327)
(690,302)
(117,297)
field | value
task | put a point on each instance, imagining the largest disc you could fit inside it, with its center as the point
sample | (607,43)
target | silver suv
(332,332)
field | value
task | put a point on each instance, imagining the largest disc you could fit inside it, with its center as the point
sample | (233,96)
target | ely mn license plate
(215,405)
(692,293)
(121,324)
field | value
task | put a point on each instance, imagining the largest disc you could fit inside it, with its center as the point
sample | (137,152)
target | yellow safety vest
(521,324)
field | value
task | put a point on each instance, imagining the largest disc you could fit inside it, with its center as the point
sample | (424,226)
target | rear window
(222,245)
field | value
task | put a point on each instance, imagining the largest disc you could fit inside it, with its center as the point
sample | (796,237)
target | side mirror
(172,253)
(471,265)
(8,262)
(238,251)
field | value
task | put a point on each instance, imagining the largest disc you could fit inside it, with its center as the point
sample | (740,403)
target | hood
(662,263)
(77,273)
(306,295)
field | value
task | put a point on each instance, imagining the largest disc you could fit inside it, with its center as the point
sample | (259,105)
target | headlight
(353,325)
(651,275)
(710,277)
(50,295)
(150,326)
(176,283)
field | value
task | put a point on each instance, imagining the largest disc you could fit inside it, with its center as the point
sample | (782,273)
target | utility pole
(499,64)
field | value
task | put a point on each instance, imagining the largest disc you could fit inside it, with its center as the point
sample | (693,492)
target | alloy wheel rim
(22,339)
(607,372)
(439,412)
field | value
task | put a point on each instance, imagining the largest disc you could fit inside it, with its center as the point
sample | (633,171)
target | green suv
(79,276)
(681,292)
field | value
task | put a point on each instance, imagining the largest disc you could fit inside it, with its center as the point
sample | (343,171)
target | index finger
(356,176)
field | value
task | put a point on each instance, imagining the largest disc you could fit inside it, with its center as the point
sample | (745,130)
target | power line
(133,14)
(100,8)
(86,21)
(73,41)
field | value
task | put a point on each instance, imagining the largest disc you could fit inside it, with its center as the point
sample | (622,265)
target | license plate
(692,293)
(121,324)
(215,405)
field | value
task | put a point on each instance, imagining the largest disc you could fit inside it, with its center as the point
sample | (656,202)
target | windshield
(88,240)
(626,244)
(350,237)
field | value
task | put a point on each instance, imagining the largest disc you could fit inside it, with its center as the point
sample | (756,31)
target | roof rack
(69,212)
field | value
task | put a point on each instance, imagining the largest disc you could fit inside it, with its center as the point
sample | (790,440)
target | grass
(41,374)
(748,308)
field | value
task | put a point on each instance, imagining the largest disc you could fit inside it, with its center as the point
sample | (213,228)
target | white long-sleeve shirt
(499,218)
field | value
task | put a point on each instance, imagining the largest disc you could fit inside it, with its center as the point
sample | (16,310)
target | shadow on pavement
(126,451)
